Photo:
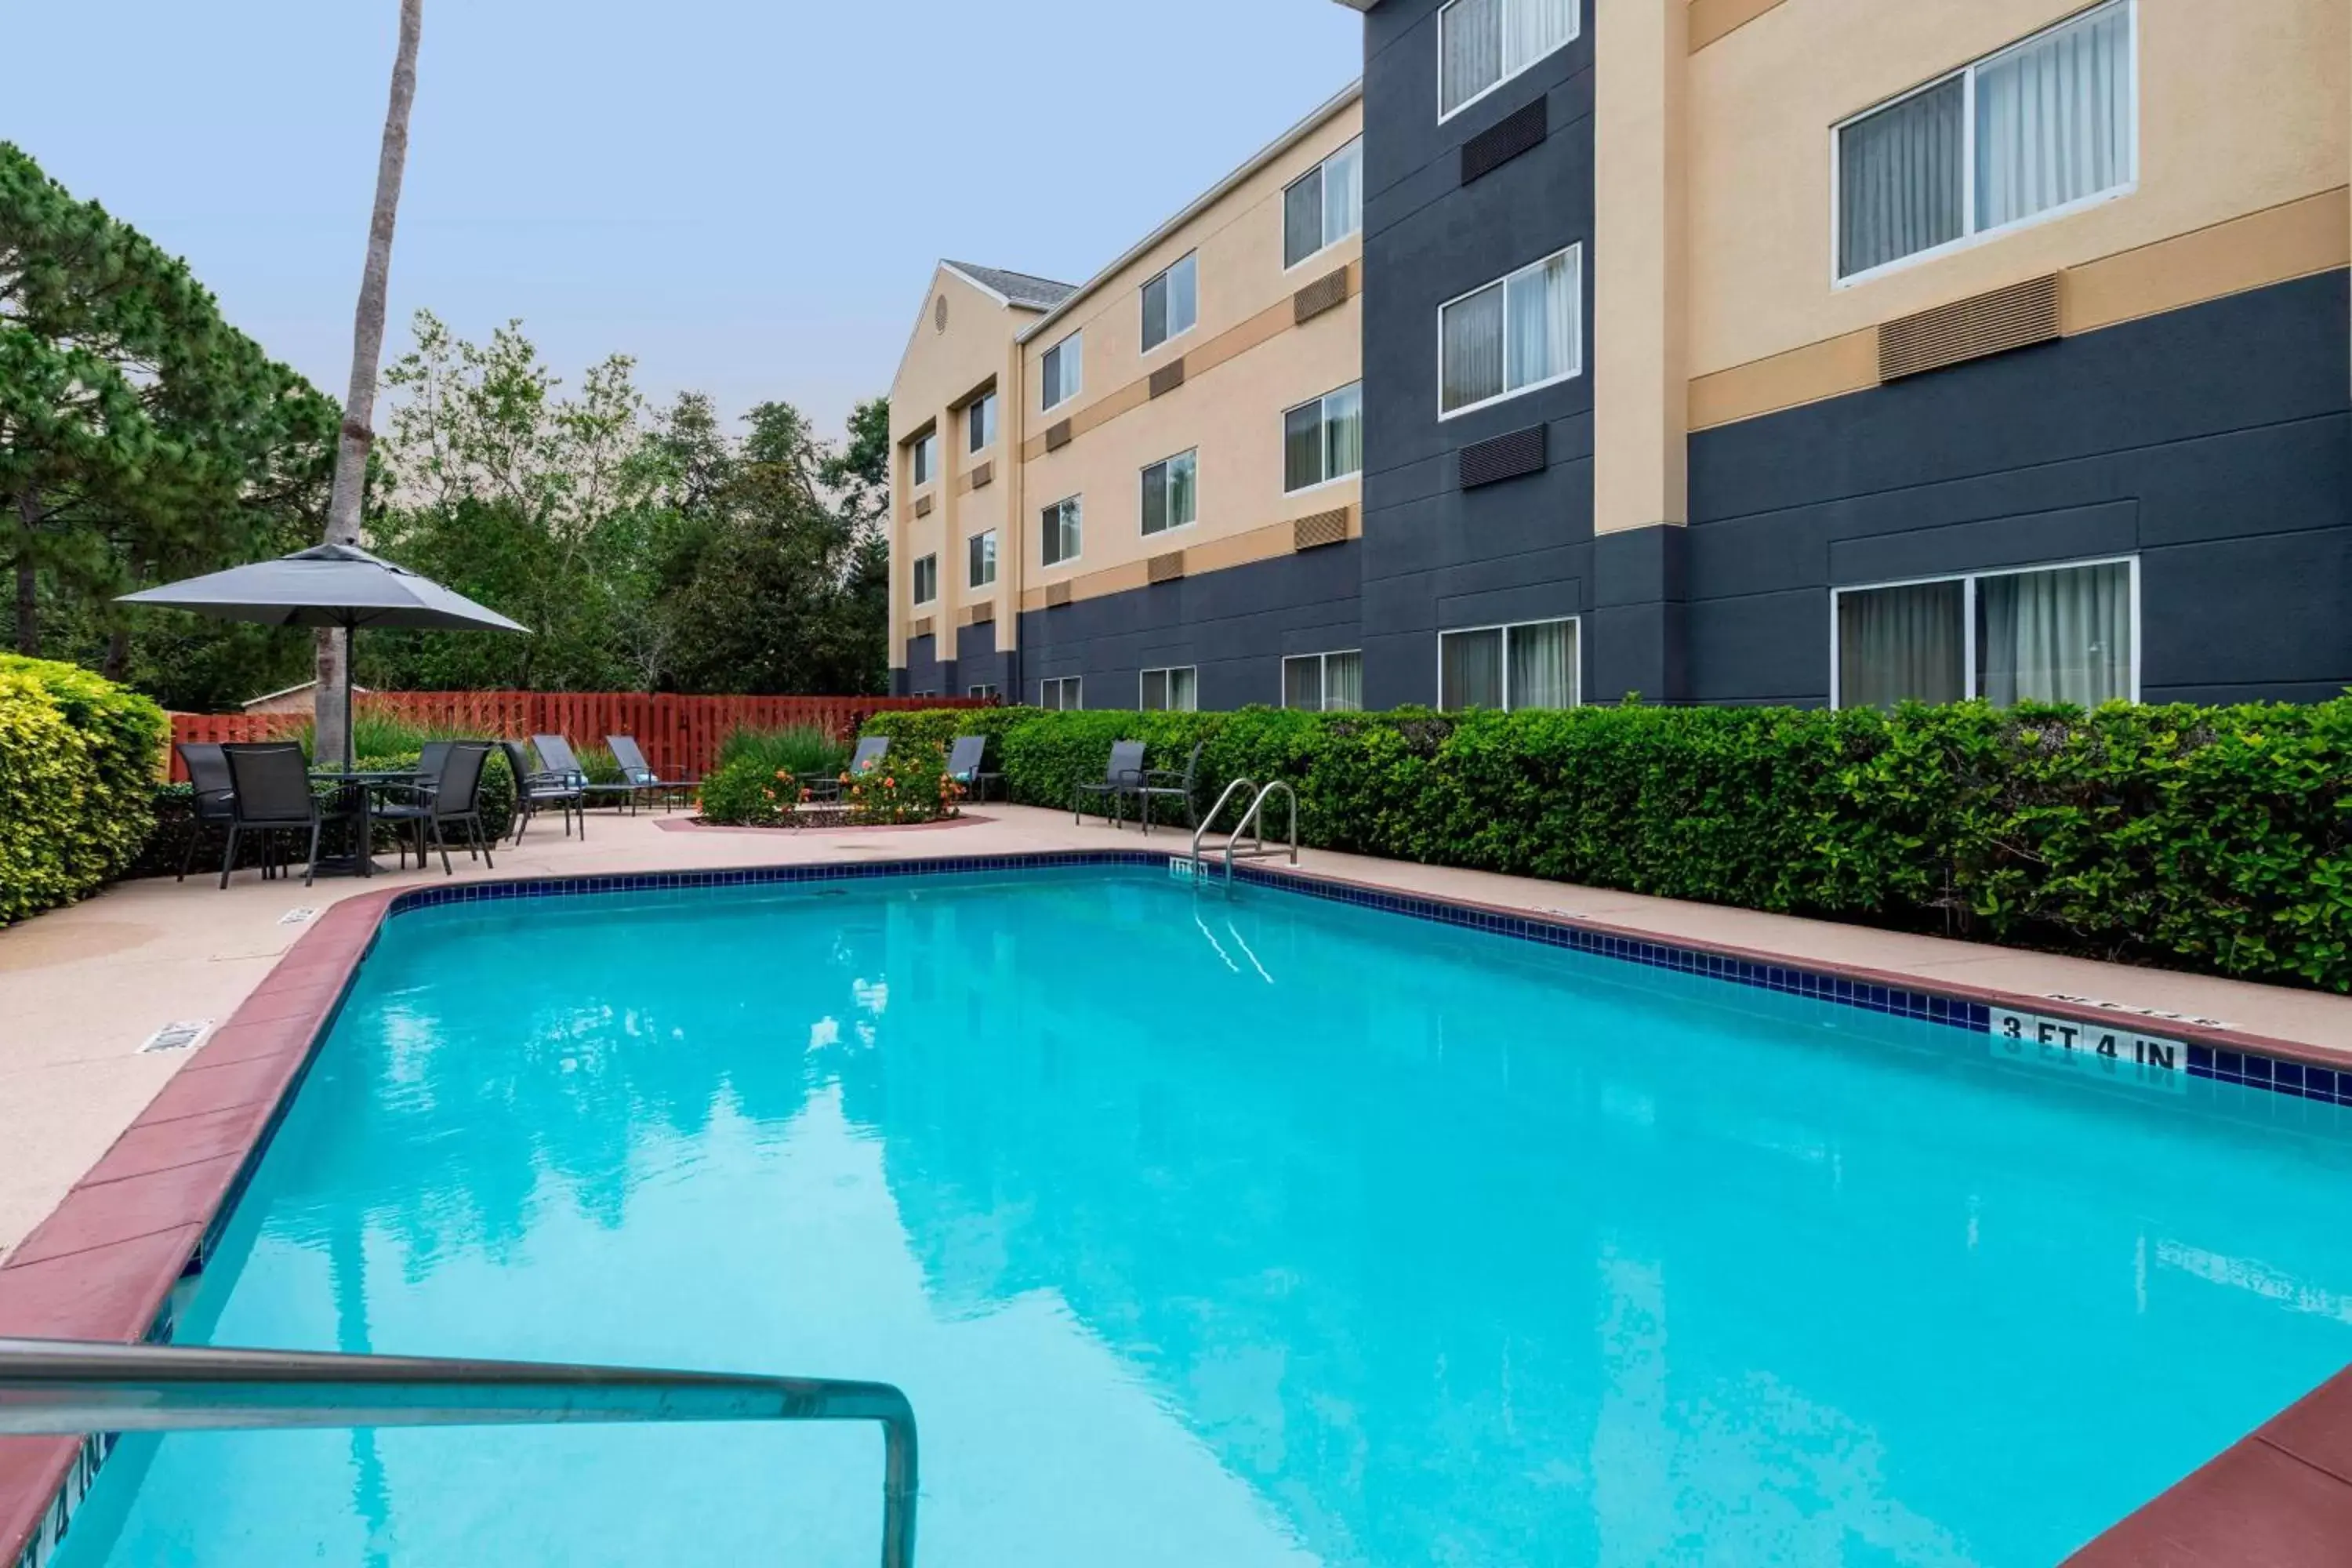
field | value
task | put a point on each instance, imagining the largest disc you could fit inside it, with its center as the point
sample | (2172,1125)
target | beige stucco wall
(1247,361)
(2242,109)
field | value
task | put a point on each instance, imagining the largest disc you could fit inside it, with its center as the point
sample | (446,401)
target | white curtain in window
(1302,683)
(1343,432)
(2056,636)
(1542,322)
(1472,334)
(1182,502)
(2054,119)
(1543,664)
(1898,644)
(1185,690)
(1471,669)
(1472,47)
(1343,193)
(1343,682)
(1534,28)
(1899,178)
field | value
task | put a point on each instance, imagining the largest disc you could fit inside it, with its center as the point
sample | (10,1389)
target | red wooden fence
(680,735)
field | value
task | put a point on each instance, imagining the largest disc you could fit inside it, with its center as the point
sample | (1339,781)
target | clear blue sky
(746,194)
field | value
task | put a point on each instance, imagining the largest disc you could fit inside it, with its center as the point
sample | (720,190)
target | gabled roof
(1025,290)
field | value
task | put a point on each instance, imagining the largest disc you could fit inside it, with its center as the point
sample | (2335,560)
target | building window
(927,579)
(1324,682)
(980,422)
(2060,634)
(1323,440)
(2040,127)
(1171,303)
(1324,206)
(985,692)
(1482,44)
(1059,375)
(981,565)
(927,456)
(1058,532)
(1175,690)
(1530,665)
(1514,335)
(1061,692)
(1171,493)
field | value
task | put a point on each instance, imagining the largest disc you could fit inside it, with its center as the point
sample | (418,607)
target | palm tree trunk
(333,712)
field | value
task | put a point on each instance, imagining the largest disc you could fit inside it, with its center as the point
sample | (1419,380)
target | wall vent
(1320,528)
(1327,293)
(982,614)
(922,506)
(1504,458)
(1503,141)
(983,476)
(1056,594)
(1990,324)
(1166,568)
(920,627)
(1168,377)
(1058,436)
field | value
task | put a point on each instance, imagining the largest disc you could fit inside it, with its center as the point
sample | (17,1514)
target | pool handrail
(71,1387)
(1224,798)
(1254,820)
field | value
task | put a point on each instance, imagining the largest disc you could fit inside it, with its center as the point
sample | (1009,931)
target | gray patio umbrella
(329,585)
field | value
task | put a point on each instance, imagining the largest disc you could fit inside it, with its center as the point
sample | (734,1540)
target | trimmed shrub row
(79,759)
(2212,839)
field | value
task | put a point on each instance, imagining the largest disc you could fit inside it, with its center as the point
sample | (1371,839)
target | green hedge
(78,761)
(2214,840)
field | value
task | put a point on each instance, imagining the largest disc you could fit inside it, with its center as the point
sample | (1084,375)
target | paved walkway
(82,988)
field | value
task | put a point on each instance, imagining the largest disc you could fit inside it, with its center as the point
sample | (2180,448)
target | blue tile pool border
(2207,1058)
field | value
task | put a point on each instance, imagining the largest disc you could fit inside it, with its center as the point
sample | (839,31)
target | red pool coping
(692,825)
(103,1265)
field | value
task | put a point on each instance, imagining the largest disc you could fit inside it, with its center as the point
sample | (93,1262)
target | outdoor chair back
(457,789)
(271,783)
(964,757)
(213,792)
(430,760)
(633,760)
(555,757)
(1173,786)
(1126,767)
(870,752)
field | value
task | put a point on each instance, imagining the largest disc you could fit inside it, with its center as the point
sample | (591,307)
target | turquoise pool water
(1261,1232)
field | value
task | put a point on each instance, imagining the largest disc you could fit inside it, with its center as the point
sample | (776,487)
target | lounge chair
(447,797)
(1122,778)
(271,781)
(211,799)
(864,760)
(555,757)
(964,761)
(537,789)
(1171,784)
(642,780)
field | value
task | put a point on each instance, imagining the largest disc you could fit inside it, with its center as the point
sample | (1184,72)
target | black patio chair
(211,797)
(1122,778)
(964,759)
(555,756)
(271,786)
(1172,784)
(537,789)
(641,779)
(449,796)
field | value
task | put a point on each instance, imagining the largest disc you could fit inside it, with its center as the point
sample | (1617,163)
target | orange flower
(808,794)
(889,783)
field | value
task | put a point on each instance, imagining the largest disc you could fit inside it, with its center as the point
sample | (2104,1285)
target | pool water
(1267,1231)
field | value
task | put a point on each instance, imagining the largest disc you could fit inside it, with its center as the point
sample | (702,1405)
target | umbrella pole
(350,710)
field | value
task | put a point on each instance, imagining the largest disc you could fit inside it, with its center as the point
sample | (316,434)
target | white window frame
(1970,235)
(1066,687)
(974,421)
(1969,580)
(1443,114)
(1142,487)
(923,458)
(916,572)
(1073,345)
(1355,473)
(983,691)
(1323,659)
(1576,293)
(1169,674)
(989,581)
(1576,676)
(1143,326)
(1075,500)
(1324,169)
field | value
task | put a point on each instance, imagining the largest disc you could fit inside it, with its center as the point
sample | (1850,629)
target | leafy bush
(805,751)
(2217,839)
(78,761)
(909,785)
(748,792)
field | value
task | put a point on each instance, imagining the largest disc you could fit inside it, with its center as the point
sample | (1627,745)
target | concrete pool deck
(118,1157)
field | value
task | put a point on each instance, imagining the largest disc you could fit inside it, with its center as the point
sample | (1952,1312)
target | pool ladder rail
(72,1388)
(1252,824)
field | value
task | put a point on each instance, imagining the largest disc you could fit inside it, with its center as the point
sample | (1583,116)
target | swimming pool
(1260,1231)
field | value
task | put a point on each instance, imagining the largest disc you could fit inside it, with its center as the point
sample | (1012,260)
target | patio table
(357,786)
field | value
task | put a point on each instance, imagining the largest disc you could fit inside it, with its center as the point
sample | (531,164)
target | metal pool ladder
(1252,823)
(67,1387)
